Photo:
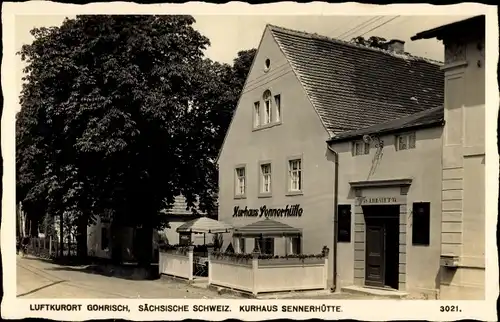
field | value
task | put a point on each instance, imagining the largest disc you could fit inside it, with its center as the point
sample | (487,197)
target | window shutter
(421,223)
(344,223)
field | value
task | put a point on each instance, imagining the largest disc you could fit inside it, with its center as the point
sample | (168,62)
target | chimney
(396,45)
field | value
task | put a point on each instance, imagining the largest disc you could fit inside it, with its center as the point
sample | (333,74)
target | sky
(230,34)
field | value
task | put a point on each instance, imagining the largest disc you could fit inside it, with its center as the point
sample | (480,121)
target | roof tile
(353,86)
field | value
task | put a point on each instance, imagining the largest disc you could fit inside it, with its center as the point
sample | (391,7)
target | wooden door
(375,254)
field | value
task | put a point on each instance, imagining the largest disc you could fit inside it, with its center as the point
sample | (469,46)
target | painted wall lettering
(288,211)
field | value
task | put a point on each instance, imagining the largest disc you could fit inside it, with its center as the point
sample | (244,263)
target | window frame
(289,160)
(277,104)
(366,148)
(256,115)
(268,104)
(236,185)
(261,192)
(275,115)
(421,238)
(407,140)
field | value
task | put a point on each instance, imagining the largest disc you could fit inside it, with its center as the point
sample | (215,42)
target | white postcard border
(13,307)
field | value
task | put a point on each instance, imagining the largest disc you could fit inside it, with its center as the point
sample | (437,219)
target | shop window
(265,178)
(240,184)
(256,114)
(421,223)
(277,103)
(267,107)
(295,175)
(360,148)
(104,238)
(344,223)
(264,245)
(406,141)
(296,245)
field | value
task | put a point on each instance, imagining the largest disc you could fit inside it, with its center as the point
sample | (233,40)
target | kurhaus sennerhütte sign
(288,211)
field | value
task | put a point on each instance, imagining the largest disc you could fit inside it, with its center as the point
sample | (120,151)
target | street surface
(41,279)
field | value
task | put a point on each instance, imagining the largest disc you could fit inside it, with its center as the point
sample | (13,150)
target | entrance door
(375,253)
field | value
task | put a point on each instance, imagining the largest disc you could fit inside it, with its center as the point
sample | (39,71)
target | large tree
(114,119)
(223,91)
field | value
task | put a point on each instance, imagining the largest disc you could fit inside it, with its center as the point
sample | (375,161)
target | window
(240,181)
(184,239)
(104,238)
(277,102)
(264,245)
(406,141)
(267,64)
(360,148)
(265,170)
(295,173)
(256,115)
(296,245)
(421,223)
(344,223)
(267,107)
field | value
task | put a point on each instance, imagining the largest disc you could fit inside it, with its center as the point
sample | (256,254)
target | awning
(204,225)
(267,228)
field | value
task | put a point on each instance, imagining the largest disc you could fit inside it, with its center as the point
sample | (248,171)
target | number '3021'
(449,308)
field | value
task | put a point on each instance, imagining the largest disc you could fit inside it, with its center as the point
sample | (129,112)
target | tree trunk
(81,238)
(116,242)
(61,236)
(146,242)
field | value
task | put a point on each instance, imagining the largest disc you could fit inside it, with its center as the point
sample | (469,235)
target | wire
(360,26)
(371,20)
(340,27)
(379,26)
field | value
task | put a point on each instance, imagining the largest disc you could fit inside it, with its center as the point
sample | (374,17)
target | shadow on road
(129,271)
(124,272)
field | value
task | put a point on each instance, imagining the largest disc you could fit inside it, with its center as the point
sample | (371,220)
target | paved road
(39,279)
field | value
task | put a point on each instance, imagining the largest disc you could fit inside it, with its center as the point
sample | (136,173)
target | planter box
(269,275)
(291,261)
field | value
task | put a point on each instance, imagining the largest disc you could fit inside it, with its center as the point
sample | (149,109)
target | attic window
(267,64)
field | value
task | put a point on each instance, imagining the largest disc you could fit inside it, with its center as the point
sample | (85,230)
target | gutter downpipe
(335,215)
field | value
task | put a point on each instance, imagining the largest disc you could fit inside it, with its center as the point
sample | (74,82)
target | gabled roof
(427,118)
(353,87)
